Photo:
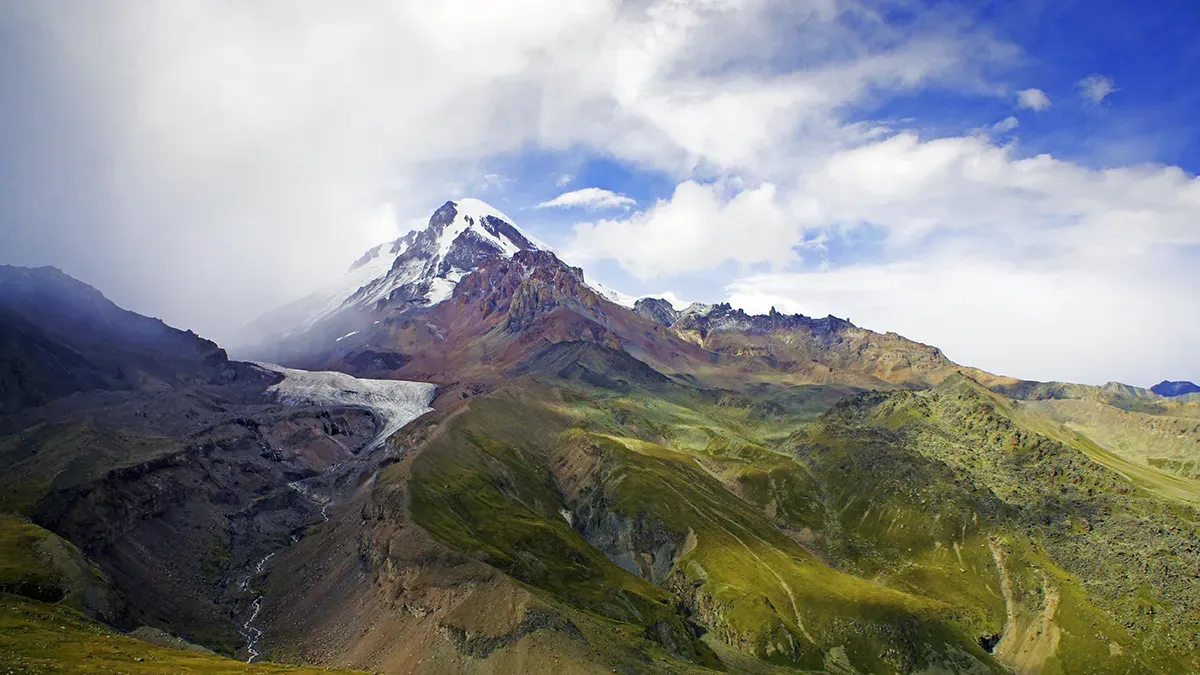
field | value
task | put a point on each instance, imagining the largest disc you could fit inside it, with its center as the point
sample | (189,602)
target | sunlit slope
(897,532)
(937,487)
(534,480)
(1163,441)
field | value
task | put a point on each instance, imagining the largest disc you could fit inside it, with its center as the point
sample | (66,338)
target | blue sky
(1013,182)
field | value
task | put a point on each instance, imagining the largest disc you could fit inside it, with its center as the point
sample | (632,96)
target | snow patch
(353,332)
(478,209)
(440,290)
(375,276)
(612,295)
(455,275)
(469,215)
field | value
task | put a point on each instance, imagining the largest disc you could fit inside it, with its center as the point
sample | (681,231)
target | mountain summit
(417,270)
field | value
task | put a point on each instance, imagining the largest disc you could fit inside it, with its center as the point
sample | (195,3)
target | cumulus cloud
(910,190)
(958,220)
(1033,99)
(1095,88)
(698,227)
(590,198)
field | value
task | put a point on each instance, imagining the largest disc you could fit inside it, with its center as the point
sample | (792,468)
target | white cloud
(1005,125)
(1033,99)
(564,180)
(700,226)
(912,188)
(965,189)
(673,298)
(1064,324)
(590,198)
(955,221)
(1095,88)
(494,180)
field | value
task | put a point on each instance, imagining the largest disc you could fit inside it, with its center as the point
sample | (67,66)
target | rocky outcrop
(482,645)
(705,319)
(642,544)
(657,310)
(190,518)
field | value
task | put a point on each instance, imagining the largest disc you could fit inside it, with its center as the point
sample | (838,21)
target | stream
(251,632)
(395,402)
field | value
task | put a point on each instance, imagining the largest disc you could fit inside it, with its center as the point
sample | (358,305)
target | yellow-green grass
(771,591)
(1146,476)
(22,569)
(39,637)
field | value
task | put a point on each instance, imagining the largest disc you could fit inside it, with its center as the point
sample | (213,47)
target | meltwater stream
(394,402)
(249,631)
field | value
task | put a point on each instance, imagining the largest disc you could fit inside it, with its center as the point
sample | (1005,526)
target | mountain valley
(473,458)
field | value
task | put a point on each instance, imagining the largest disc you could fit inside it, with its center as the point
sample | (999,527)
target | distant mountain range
(1168,388)
(472,458)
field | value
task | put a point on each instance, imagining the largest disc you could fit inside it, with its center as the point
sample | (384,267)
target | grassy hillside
(625,505)
(1163,441)
(589,514)
(38,637)
(57,455)
(897,532)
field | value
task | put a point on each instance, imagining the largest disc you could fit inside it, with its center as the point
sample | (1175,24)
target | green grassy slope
(897,532)
(658,528)
(503,478)
(39,637)
(1117,558)
(1164,442)
(52,456)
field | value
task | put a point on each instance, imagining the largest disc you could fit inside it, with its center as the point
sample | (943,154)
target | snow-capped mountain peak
(425,265)
(420,269)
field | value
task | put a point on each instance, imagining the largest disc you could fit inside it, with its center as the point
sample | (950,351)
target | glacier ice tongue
(396,402)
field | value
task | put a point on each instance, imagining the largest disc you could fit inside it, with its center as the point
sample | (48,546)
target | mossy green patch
(40,637)
(23,570)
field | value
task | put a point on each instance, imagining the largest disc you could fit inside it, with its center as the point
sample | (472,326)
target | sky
(1014,182)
